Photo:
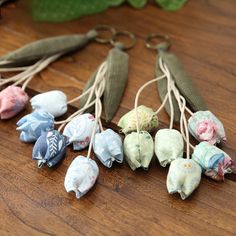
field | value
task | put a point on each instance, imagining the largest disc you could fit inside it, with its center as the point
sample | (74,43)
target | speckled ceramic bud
(12,100)
(183,177)
(138,149)
(33,125)
(169,145)
(49,149)
(214,162)
(108,147)
(81,176)
(54,102)
(79,130)
(205,126)
(148,120)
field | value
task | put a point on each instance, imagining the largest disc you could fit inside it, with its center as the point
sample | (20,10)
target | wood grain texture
(34,202)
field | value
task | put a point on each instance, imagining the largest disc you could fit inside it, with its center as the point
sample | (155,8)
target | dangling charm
(169,145)
(183,177)
(214,162)
(81,176)
(148,120)
(205,126)
(79,131)
(12,100)
(108,147)
(138,149)
(33,125)
(54,102)
(49,149)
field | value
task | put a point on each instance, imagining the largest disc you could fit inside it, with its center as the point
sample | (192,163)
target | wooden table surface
(33,201)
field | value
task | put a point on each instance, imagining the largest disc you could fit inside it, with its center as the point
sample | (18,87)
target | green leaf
(114,3)
(137,3)
(63,10)
(171,5)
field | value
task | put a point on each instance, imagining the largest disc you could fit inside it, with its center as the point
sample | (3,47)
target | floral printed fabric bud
(12,100)
(169,145)
(54,102)
(33,125)
(81,176)
(108,147)
(205,126)
(183,177)
(79,130)
(50,148)
(148,120)
(138,149)
(214,162)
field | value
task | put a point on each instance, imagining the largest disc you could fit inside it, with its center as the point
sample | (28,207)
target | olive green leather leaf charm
(116,79)
(171,5)
(84,99)
(32,52)
(183,83)
(138,149)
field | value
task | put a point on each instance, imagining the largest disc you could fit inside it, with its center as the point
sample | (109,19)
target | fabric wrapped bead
(183,177)
(12,100)
(205,126)
(214,162)
(79,130)
(108,147)
(148,120)
(33,125)
(81,176)
(54,102)
(169,145)
(138,149)
(50,148)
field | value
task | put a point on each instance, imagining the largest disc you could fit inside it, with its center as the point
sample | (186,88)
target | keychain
(184,173)
(33,58)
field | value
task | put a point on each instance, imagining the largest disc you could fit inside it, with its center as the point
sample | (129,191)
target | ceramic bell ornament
(205,126)
(81,176)
(13,99)
(138,149)
(214,162)
(169,145)
(33,125)
(49,149)
(183,177)
(54,102)
(148,120)
(108,148)
(79,130)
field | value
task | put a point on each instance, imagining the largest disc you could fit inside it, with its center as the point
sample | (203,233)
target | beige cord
(99,77)
(182,106)
(98,112)
(138,94)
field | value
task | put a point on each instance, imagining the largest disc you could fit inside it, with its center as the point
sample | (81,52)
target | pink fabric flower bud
(12,100)
(205,126)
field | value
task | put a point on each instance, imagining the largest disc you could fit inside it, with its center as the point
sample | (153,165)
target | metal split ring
(132,37)
(103,28)
(164,40)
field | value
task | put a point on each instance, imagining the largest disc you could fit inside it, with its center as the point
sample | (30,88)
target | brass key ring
(164,43)
(132,37)
(100,28)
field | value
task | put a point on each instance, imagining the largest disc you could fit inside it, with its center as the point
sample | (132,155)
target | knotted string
(182,106)
(97,84)
(29,71)
(98,113)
